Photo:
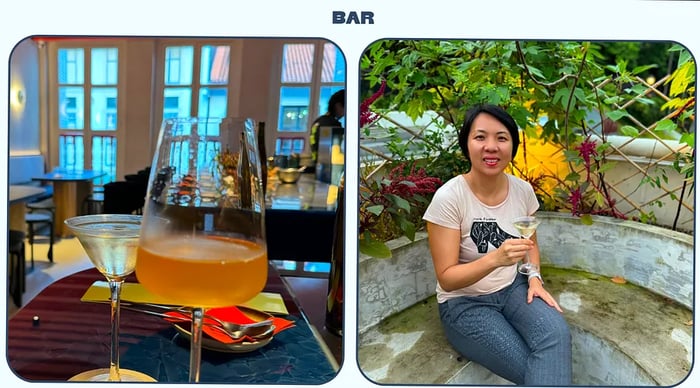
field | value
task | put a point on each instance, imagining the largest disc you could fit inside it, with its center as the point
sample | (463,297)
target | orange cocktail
(202,271)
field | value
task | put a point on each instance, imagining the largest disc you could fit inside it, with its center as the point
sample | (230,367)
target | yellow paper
(134,292)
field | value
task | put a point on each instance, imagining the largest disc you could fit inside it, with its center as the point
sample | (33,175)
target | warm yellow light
(17,98)
(651,80)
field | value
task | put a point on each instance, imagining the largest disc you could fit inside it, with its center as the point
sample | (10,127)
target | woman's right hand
(512,251)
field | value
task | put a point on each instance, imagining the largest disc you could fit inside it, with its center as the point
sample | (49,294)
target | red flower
(575,201)
(368,117)
(586,149)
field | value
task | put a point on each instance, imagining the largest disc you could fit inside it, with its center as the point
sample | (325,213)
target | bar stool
(94,203)
(17,265)
(37,217)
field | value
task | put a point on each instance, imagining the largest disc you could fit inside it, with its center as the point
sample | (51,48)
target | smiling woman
(476,248)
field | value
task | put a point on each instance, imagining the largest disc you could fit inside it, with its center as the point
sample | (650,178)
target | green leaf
(617,114)
(375,248)
(606,166)
(599,199)
(408,228)
(689,139)
(375,209)
(561,96)
(628,130)
(399,202)
(665,125)
(573,177)
(641,69)
(586,219)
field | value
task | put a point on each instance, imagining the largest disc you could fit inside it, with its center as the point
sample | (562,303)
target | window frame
(87,133)
(315,86)
(234,71)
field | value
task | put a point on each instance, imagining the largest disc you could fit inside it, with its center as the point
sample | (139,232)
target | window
(310,74)
(196,80)
(196,84)
(87,80)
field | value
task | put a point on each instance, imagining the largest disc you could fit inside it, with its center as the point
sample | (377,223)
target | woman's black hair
(496,112)
(337,97)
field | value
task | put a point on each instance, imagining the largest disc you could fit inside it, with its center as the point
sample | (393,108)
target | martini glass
(526,225)
(110,241)
(196,253)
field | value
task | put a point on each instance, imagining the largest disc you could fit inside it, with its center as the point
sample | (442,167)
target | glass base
(102,374)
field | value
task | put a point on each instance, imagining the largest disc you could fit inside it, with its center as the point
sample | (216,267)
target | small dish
(239,347)
(212,344)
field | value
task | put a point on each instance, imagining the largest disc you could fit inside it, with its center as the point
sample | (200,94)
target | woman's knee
(557,332)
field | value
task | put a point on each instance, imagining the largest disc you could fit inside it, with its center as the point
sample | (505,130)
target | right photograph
(526,212)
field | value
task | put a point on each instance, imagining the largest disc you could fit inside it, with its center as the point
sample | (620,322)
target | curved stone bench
(623,334)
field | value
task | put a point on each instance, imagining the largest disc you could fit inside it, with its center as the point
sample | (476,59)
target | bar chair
(17,264)
(94,203)
(39,215)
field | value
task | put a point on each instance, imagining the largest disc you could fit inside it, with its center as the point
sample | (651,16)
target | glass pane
(70,152)
(298,145)
(324,95)
(71,107)
(212,102)
(206,163)
(177,102)
(333,64)
(179,65)
(104,158)
(215,65)
(179,159)
(317,267)
(294,109)
(71,66)
(284,146)
(297,63)
(103,66)
(103,109)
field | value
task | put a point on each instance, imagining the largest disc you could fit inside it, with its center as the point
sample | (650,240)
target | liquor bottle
(263,155)
(244,174)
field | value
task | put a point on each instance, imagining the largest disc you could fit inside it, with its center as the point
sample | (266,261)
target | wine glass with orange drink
(199,252)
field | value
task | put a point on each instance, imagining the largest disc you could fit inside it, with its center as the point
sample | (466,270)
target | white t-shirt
(483,228)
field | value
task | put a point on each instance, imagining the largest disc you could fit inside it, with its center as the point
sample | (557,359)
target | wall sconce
(17,98)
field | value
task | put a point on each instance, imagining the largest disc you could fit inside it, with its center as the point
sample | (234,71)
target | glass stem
(196,344)
(526,260)
(115,288)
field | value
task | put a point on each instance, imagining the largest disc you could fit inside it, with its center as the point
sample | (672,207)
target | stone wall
(387,286)
(651,257)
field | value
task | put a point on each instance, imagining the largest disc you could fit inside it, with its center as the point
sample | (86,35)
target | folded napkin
(134,292)
(228,314)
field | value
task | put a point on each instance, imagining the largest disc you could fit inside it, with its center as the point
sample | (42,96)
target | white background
(634,20)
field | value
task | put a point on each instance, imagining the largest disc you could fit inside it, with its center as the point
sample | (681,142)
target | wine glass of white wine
(526,225)
(110,241)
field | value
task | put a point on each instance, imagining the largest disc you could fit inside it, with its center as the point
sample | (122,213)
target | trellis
(676,190)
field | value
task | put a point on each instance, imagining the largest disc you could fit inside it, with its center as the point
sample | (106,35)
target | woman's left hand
(536,289)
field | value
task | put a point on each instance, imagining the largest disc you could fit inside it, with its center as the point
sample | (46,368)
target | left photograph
(175,209)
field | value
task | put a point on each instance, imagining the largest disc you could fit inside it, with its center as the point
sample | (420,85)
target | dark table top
(24,193)
(73,336)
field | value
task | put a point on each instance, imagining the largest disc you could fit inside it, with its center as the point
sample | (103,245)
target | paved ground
(621,332)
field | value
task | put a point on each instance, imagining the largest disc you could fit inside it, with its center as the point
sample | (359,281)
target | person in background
(335,111)
(491,314)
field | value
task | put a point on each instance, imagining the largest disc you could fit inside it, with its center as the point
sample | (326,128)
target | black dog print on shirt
(485,232)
